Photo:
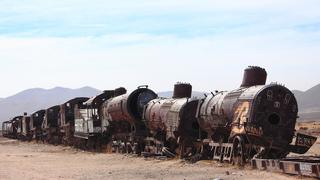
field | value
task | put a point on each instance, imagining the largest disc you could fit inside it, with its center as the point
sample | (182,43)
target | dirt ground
(312,128)
(23,160)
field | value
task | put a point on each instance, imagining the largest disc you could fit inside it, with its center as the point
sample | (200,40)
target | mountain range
(35,99)
(31,100)
(309,103)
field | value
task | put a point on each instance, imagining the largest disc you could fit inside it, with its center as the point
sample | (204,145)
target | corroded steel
(50,126)
(36,120)
(66,118)
(26,133)
(262,115)
(182,90)
(172,117)
(129,107)
(303,166)
(89,119)
(211,116)
(253,76)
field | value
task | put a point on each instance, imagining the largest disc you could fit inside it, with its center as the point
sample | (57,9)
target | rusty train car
(254,120)
(124,114)
(66,119)
(172,123)
(36,120)
(90,128)
(50,126)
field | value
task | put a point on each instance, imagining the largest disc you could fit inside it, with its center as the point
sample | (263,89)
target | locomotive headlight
(276,104)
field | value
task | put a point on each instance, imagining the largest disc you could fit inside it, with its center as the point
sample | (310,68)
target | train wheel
(238,156)
(188,150)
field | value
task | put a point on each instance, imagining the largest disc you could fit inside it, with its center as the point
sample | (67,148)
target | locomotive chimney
(182,90)
(254,75)
(120,91)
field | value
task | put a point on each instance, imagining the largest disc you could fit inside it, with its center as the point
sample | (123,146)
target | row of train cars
(253,121)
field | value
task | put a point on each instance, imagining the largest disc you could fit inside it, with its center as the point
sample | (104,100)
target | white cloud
(208,62)
(55,43)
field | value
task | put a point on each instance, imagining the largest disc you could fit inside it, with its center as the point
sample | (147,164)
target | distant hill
(309,103)
(35,99)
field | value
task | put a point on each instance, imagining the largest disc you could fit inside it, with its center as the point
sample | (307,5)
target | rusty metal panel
(129,107)
(89,114)
(156,114)
(25,125)
(250,93)
(36,120)
(173,117)
(211,114)
(117,109)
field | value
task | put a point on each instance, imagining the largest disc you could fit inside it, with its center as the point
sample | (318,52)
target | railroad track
(303,165)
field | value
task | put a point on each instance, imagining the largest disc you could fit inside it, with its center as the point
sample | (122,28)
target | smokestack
(120,91)
(254,75)
(182,90)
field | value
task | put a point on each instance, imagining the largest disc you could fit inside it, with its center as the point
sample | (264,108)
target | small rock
(217,178)
(227,173)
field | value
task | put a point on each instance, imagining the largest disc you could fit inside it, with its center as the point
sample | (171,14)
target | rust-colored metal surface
(51,117)
(182,90)
(156,114)
(172,117)
(124,114)
(89,119)
(211,116)
(26,133)
(18,121)
(66,118)
(50,126)
(36,120)
(6,128)
(129,107)
(262,116)
(253,76)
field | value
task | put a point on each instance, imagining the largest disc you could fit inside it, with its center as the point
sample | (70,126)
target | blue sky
(106,44)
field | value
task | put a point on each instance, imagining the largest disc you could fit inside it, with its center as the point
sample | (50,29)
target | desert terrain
(29,160)
(312,128)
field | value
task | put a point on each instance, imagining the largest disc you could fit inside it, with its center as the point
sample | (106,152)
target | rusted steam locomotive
(255,120)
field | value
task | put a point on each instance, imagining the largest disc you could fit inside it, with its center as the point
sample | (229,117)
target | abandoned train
(255,120)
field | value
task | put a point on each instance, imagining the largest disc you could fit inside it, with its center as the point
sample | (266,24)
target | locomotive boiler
(124,114)
(172,123)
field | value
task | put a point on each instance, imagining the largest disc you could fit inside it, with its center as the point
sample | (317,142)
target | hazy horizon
(105,44)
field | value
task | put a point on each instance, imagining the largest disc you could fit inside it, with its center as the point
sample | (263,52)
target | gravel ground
(22,160)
